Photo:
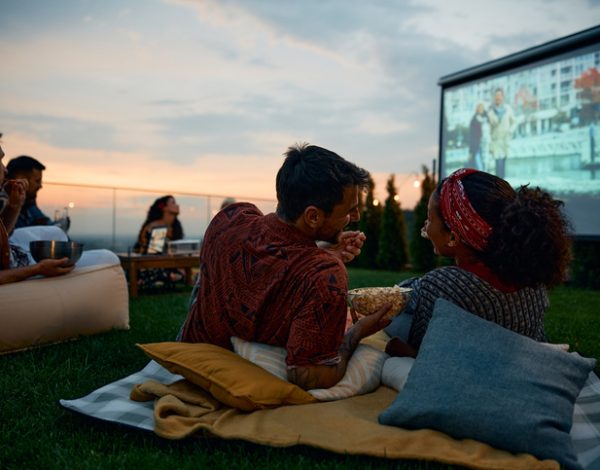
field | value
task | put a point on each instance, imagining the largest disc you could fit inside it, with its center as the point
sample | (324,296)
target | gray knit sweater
(521,311)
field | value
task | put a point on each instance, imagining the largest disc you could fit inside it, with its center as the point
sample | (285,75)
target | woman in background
(164,211)
(509,248)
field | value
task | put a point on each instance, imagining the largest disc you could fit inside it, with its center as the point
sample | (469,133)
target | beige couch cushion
(88,300)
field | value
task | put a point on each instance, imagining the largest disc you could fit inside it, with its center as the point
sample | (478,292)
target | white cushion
(395,371)
(38,311)
(363,374)
(270,358)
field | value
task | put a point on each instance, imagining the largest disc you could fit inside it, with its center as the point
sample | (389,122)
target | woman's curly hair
(530,243)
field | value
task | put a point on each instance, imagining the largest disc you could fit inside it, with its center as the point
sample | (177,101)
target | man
(502,125)
(265,279)
(12,197)
(30,169)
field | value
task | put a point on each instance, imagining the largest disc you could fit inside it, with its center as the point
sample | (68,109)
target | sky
(205,96)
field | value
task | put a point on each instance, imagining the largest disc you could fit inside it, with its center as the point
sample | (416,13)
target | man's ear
(313,217)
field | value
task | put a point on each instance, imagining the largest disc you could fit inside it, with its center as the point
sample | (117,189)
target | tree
(392,252)
(589,96)
(369,224)
(421,252)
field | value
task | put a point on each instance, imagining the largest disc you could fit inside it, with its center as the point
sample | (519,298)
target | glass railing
(111,217)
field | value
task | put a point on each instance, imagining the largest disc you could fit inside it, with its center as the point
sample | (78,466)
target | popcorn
(368,300)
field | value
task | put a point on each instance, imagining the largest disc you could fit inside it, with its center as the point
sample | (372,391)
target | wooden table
(133,262)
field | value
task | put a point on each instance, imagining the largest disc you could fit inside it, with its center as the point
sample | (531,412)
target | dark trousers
(501,167)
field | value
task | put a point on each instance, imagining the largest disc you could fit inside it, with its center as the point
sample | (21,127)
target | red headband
(459,214)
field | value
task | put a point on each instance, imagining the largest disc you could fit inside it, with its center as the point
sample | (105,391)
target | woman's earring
(452,243)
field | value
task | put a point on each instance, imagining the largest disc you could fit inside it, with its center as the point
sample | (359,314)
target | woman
(163,212)
(509,248)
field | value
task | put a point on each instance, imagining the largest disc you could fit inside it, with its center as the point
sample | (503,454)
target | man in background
(30,169)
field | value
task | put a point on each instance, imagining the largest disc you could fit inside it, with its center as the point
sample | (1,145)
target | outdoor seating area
(74,370)
(300,235)
(87,301)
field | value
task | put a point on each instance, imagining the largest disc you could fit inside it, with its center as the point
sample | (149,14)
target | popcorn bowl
(368,300)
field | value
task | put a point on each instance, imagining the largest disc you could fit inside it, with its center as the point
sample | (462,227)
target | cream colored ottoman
(90,299)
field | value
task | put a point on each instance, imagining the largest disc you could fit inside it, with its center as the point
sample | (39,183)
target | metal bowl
(52,249)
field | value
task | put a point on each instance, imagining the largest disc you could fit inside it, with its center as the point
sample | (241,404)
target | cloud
(62,132)
(239,81)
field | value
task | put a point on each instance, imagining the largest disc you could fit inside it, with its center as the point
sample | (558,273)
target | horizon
(206,96)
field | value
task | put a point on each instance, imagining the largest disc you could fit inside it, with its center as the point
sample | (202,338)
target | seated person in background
(164,211)
(30,169)
(227,202)
(14,264)
(264,279)
(509,247)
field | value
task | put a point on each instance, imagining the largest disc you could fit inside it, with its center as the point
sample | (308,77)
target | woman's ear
(452,239)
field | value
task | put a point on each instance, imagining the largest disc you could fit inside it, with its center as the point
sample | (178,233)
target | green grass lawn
(36,432)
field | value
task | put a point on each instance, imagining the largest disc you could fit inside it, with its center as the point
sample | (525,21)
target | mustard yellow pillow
(229,378)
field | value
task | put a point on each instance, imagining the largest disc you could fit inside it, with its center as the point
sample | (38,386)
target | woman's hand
(16,190)
(395,347)
(54,267)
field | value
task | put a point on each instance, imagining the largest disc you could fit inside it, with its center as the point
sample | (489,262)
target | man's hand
(347,247)
(370,324)
(308,377)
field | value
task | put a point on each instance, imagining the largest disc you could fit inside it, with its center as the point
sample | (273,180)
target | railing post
(114,220)
(208,212)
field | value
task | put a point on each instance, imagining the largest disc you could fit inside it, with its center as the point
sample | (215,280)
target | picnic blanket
(346,426)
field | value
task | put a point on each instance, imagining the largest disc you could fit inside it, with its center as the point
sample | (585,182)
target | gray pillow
(475,379)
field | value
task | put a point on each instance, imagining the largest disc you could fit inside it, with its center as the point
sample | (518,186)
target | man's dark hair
(23,164)
(314,176)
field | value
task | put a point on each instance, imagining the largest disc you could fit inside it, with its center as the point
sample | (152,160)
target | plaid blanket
(111,403)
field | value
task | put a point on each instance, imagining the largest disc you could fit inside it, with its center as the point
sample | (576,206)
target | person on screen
(30,169)
(475,138)
(509,247)
(164,211)
(263,278)
(502,125)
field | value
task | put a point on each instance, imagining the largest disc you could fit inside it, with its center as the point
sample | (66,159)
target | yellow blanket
(346,426)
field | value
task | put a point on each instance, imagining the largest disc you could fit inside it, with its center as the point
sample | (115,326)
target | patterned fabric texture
(251,265)
(521,311)
(363,374)
(111,403)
